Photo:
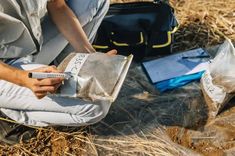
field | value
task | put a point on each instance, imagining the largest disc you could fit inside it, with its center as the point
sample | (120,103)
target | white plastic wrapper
(96,76)
(218,82)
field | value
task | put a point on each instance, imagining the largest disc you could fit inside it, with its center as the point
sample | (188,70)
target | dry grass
(149,144)
(52,142)
(48,142)
(202,24)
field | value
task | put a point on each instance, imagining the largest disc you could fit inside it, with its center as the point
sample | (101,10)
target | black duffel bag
(140,28)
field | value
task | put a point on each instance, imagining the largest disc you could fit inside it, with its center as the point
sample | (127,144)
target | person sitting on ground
(30,39)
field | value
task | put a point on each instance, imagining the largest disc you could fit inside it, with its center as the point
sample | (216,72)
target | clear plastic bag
(222,69)
(218,82)
(96,76)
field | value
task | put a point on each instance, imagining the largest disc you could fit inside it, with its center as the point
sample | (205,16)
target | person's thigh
(27,107)
(43,118)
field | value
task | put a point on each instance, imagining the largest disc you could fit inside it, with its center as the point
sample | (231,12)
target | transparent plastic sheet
(141,114)
(180,114)
(218,82)
(96,76)
(222,67)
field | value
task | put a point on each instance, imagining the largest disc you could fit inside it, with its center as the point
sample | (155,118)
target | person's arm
(20,77)
(69,26)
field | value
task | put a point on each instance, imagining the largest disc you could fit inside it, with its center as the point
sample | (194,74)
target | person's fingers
(42,89)
(54,69)
(41,95)
(51,69)
(48,69)
(112,52)
(57,86)
(50,81)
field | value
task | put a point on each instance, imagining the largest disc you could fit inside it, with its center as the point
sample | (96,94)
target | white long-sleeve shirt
(20,27)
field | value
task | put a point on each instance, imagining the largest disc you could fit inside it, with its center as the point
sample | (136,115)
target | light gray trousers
(21,105)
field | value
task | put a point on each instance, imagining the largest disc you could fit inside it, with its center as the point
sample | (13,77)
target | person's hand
(112,52)
(41,87)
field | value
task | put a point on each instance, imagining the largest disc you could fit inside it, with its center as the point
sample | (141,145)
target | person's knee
(100,111)
(93,113)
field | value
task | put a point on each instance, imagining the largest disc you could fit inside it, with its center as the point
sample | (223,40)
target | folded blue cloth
(177,82)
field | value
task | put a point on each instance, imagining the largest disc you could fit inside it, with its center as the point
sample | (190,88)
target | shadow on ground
(140,107)
(182,112)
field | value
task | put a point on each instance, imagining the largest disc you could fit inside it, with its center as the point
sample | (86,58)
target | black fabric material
(12,133)
(135,28)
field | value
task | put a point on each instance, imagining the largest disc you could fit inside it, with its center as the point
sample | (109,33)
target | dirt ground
(183,112)
(143,121)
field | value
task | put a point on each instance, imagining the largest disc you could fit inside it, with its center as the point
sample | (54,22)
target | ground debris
(139,115)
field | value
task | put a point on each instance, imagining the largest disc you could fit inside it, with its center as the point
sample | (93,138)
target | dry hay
(48,142)
(150,144)
(202,24)
(52,142)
